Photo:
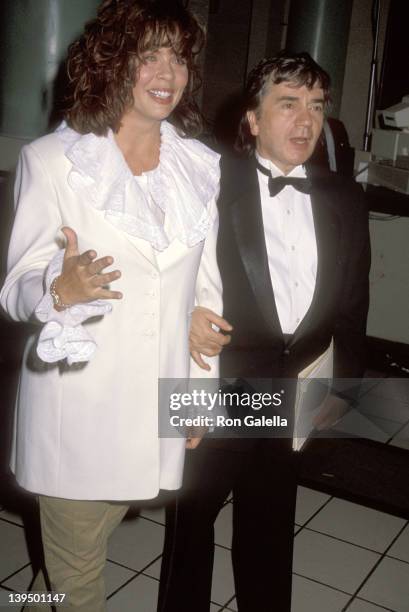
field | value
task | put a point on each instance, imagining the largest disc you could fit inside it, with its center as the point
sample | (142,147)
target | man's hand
(82,278)
(203,339)
(332,409)
(194,437)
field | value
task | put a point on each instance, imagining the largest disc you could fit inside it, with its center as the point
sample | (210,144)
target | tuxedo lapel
(249,232)
(248,228)
(327,234)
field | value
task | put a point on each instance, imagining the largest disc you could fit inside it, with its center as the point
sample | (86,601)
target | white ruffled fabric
(63,336)
(181,187)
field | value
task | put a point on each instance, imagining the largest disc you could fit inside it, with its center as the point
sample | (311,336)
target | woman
(129,189)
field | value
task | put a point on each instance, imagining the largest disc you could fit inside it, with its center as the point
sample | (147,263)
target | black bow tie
(275,185)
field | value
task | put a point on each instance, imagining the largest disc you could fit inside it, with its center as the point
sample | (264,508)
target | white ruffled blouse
(169,202)
(181,186)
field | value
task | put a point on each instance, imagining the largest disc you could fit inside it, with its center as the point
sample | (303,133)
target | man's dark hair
(103,63)
(296,68)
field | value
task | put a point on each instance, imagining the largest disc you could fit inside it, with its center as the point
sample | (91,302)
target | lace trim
(182,186)
(63,336)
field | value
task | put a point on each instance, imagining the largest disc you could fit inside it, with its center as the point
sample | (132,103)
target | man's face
(288,123)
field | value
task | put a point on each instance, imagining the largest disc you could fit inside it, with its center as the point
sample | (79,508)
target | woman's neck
(140,144)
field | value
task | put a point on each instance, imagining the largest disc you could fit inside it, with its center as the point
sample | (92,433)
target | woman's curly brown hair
(103,63)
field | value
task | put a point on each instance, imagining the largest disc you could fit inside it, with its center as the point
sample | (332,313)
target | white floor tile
(331,562)
(14,543)
(400,549)
(404,432)
(232,605)
(387,426)
(308,502)
(389,585)
(5,603)
(136,542)
(223,584)
(401,439)
(214,608)
(154,569)
(223,527)
(155,514)
(309,596)
(358,605)
(396,388)
(139,595)
(115,576)
(379,405)
(368,385)
(365,425)
(400,442)
(20,581)
(11,516)
(357,524)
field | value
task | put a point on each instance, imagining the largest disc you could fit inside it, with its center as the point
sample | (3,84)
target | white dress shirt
(291,246)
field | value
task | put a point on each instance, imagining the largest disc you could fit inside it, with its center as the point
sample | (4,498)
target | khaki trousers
(75,536)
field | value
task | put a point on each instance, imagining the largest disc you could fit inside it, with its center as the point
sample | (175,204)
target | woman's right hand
(203,339)
(82,278)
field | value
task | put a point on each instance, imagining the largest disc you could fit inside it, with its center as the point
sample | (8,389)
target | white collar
(182,185)
(298,171)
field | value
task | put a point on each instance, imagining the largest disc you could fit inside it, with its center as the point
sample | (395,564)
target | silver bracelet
(57,301)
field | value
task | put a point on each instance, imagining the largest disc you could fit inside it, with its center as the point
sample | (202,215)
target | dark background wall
(240,32)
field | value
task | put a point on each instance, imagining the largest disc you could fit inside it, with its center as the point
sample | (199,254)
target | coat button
(286,351)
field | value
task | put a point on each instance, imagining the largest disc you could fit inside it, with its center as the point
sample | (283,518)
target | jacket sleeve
(34,259)
(209,289)
(33,238)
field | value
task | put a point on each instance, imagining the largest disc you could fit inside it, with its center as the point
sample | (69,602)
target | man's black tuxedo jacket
(340,302)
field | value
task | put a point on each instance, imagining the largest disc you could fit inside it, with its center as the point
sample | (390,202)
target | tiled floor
(346,558)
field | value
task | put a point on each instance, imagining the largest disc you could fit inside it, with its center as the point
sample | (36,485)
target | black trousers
(262,475)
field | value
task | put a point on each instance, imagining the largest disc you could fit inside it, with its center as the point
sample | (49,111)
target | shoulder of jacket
(230,163)
(237,176)
(345,189)
(46,147)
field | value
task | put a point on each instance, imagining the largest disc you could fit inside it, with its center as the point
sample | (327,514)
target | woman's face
(162,78)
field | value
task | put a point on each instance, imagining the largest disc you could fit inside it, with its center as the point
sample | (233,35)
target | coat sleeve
(33,238)
(350,326)
(34,259)
(209,289)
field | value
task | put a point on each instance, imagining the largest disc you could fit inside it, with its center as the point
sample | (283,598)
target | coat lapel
(249,231)
(327,234)
(143,246)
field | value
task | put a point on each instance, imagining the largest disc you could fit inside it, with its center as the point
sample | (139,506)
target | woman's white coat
(90,430)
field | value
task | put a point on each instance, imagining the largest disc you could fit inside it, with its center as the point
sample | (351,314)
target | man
(293,251)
